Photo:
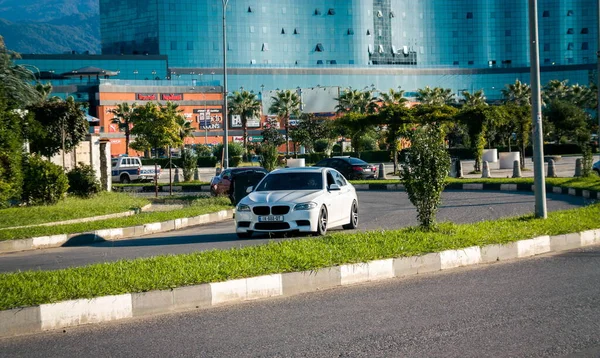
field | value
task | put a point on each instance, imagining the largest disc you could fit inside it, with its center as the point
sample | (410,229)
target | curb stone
(29,320)
(35,243)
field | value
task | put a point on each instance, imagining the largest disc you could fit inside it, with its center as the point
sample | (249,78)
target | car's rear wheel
(125,179)
(322,221)
(353,217)
(244,235)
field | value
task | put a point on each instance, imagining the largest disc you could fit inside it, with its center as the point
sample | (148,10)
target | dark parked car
(350,167)
(220,184)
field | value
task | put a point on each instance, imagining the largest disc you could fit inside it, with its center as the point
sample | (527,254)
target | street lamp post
(225,112)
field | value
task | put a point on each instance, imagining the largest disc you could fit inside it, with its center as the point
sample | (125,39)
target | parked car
(350,167)
(220,184)
(126,169)
(305,199)
(596,167)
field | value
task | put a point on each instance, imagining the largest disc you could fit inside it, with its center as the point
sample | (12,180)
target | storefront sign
(209,118)
(171,96)
(236,122)
(146,96)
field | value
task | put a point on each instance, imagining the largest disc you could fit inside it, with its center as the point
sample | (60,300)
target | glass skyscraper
(457,44)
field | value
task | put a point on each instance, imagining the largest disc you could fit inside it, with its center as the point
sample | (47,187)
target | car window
(339,179)
(323,163)
(356,161)
(295,181)
(226,174)
(330,179)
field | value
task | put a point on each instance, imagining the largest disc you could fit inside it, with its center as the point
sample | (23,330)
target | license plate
(367,169)
(270,218)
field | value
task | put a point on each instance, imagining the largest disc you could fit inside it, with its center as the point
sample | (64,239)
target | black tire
(322,221)
(124,179)
(353,217)
(244,235)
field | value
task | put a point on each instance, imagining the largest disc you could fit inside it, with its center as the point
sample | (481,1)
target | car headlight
(242,207)
(305,206)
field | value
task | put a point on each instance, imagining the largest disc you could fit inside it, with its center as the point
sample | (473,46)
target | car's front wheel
(353,217)
(322,221)
(244,235)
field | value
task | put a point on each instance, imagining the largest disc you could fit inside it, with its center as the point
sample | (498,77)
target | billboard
(209,118)
(236,122)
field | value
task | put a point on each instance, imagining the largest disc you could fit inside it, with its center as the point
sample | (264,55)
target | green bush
(424,173)
(321,145)
(83,181)
(44,183)
(235,153)
(313,158)
(269,156)
(189,161)
(207,162)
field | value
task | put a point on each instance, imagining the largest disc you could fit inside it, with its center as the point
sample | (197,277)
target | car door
(345,197)
(333,198)
(343,167)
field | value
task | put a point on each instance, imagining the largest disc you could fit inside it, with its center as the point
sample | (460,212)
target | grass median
(71,208)
(165,272)
(196,207)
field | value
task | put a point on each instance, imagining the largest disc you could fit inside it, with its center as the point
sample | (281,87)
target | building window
(454,34)
(469,15)
(507,33)
(319,47)
(508,48)
(350,32)
(455,63)
(570,60)
(190,45)
(319,62)
(251,28)
(392,15)
(585,30)
(492,15)
(173,27)
(331,12)
(546,47)
(380,48)
(470,48)
(492,63)
(282,31)
(570,31)
(585,46)
(471,62)
(296,32)
(249,9)
(332,62)
(546,61)
(570,46)
(546,13)
(265,47)
(317,12)
(379,13)
(173,45)
(569,12)
(507,14)
(455,15)
(368,32)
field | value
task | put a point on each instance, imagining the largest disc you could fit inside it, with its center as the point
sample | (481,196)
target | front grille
(244,224)
(271,226)
(261,210)
(302,222)
(280,210)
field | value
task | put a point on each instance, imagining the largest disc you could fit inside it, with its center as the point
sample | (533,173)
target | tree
(567,122)
(185,129)
(122,118)
(310,129)
(518,93)
(284,104)
(56,125)
(271,134)
(355,125)
(15,81)
(398,120)
(246,105)
(393,97)
(555,90)
(355,101)
(155,127)
(11,147)
(424,172)
(475,99)
(436,96)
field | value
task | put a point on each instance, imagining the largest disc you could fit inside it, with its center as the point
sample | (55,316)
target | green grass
(70,208)
(164,272)
(197,206)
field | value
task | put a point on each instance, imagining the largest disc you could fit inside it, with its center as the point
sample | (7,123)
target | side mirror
(334,187)
(249,189)
(228,177)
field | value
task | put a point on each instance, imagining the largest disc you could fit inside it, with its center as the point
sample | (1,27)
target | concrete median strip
(43,242)
(72,313)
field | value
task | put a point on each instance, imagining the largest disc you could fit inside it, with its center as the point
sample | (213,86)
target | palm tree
(555,90)
(518,93)
(393,97)
(15,80)
(582,96)
(123,119)
(284,104)
(185,129)
(356,101)
(436,96)
(246,105)
(473,100)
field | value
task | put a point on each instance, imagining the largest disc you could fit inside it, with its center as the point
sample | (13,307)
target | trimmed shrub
(207,162)
(235,151)
(269,156)
(83,181)
(44,183)
(189,160)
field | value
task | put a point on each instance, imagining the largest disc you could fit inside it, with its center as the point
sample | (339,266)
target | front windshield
(291,181)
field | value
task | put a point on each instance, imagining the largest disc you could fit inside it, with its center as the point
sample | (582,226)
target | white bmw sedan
(307,199)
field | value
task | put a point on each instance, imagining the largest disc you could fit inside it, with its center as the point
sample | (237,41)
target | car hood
(279,196)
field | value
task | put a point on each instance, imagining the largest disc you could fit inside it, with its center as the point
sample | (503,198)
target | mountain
(50,26)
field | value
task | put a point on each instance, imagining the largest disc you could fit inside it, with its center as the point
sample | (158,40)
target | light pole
(536,114)
(225,114)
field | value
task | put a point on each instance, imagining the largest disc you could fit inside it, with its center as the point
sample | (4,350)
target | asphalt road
(378,210)
(538,307)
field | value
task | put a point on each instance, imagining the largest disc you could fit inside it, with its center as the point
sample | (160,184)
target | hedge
(203,162)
